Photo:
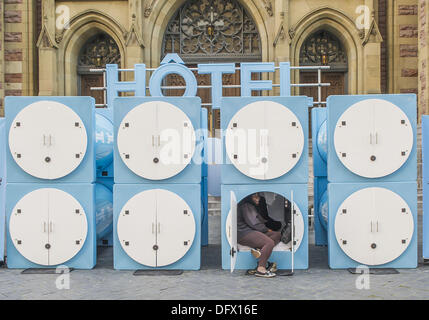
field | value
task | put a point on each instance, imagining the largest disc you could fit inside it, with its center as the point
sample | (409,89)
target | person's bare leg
(260,241)
(275,235)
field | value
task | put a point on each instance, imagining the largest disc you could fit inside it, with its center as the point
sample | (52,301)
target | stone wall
(404,65)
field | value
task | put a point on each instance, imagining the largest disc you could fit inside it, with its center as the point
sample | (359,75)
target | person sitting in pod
(254,230)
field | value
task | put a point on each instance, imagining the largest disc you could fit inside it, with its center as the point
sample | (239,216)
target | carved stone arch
(81,28)
(343,28)
(163,11)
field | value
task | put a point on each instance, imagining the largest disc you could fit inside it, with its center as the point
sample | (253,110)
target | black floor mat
(43,271)
(375,271)
(284,273)
(158,272)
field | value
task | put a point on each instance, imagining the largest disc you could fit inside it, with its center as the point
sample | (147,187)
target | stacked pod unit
(157,193)
(51,170)
(2,185)
(425,183)
(372,174)
(265,150)
(320,172)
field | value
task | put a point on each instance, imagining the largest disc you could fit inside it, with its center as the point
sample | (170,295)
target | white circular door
(48,140)
(298,221)
(264,140)
(374,226)
(175,228)
(29,225)
(68,226)
(137,228)
(48,226)
(156,140)
(371,144)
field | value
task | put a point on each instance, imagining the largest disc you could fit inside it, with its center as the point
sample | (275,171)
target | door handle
(159,227)
(153,228)
(51,226)
(153,141)
(44,226)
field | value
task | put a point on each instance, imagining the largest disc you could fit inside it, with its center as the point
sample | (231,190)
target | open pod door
(233,226)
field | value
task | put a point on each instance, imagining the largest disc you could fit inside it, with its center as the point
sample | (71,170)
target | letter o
(173,68)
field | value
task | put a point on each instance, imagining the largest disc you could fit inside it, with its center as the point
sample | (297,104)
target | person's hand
(269,230)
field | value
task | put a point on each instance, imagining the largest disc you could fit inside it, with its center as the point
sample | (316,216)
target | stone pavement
(319,282)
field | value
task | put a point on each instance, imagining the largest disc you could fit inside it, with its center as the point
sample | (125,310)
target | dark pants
(263,241)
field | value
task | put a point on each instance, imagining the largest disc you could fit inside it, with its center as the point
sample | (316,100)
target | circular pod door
(371,144)
(374,226)
(161,234)
(48,140)
(298,222)
(264,140)
(48,226)
(156,140)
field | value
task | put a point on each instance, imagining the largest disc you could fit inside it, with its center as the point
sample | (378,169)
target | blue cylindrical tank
(104,210)
(322,141)
(103,141)
(323,210)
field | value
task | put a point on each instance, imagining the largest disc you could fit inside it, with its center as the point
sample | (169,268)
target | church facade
(47,47)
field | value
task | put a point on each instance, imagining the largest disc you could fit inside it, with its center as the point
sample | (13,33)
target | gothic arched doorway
(211,31)
(319,49)
(98,51)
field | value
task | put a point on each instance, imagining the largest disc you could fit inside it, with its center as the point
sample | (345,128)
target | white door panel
(48,140)
(68,227)
(137,139)
(285,142)
(136,228)
(176,136)
(243,138)
(354,226)
(354,139)
(394,137)
(393,225)
(28,226)
(175,227)
(234,244)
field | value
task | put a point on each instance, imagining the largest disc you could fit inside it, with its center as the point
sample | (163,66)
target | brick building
(48,46)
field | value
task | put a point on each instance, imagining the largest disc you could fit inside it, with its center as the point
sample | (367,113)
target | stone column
(423,65)
(134,39)
(281,35)
(48,75)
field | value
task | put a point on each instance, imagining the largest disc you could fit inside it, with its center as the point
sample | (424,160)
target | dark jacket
(251,217)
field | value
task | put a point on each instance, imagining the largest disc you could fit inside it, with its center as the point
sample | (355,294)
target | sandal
(271,266)
(267,274)
(256,253)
